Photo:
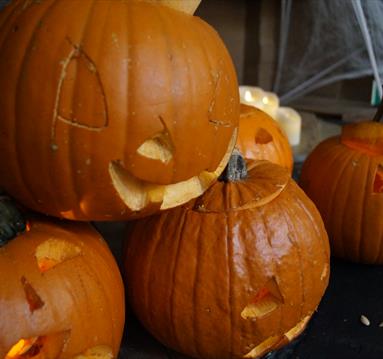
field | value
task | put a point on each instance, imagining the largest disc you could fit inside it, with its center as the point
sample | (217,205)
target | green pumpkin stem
(12,221)
(236,169)
(379,112)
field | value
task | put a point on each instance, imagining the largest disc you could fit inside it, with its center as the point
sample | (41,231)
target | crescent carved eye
(159,146)
(53,252)
(266,300)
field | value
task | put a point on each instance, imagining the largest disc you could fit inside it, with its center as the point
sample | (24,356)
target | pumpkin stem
(236,169)
(12,221)
(379,112)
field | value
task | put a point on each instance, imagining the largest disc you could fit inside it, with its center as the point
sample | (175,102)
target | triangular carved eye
(80,96)
(53,252)
(263,137)
(159,147)
(34,300)
(378,180)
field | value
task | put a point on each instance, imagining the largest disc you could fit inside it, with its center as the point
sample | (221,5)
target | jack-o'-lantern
(61,293)
(344,178)
(237,272)
(112,109)
(261,138)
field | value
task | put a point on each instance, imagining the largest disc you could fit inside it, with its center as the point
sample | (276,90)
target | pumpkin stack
(110,110)
(117,110)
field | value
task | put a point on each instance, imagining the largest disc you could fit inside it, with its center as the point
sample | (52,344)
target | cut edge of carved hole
(99,352)
(33,299)
(266,301)
(298,329)
(53,252)
(324,271)
(378,180)
(262,348)
(263,137)
(159,147)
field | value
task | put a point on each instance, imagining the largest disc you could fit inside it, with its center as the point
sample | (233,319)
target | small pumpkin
(235,273)
(112,109)
(344,177)
(61,293)
(261,138)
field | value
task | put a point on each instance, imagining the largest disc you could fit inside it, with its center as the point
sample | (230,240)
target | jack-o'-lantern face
(99,93)
(61,294)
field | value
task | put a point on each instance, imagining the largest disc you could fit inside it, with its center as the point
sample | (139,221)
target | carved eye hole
(266,300)
(263,137)
(378,180)
(159,147)
(33,299)
(53,252)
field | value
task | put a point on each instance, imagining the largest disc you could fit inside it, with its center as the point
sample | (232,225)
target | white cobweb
(324,41)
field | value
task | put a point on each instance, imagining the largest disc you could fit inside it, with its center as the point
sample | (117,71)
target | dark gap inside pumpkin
(262,137)
(33,299)
(378,180)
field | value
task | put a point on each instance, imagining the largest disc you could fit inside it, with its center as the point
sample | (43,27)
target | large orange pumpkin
(344,178)
(235,273)
(61,293)
(111,109)
(261,138)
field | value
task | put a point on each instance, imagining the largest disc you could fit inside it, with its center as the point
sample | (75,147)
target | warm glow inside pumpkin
(344,177)
(235,273)
(112,109)
(261,138)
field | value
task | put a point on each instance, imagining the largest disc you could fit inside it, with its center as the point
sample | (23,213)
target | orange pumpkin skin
(60,288)
(95,87)
(344,178)
(198,274)
(261,138)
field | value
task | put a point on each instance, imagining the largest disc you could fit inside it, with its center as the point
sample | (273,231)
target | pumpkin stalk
(379,112)
(12,222)
(236,169)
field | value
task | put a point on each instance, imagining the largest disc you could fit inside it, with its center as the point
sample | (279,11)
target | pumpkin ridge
(179,236)
(367,180)
(16,124)
(293,241)
(336,222)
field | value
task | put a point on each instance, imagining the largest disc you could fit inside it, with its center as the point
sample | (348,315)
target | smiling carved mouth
(138,194)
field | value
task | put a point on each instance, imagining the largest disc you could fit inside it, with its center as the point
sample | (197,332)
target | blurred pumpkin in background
(261,138)
(112,109)
(61,293)
(344,177)
(237,272)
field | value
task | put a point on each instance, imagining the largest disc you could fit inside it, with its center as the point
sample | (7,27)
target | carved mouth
(138,194)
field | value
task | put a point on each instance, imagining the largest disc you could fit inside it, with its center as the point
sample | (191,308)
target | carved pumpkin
(111,109)
(344,178)
(61,294)
(235,273)
(261,138)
